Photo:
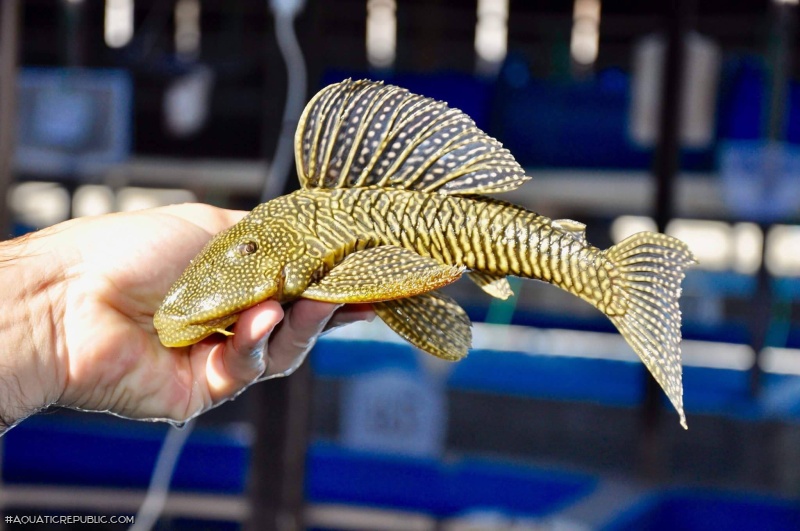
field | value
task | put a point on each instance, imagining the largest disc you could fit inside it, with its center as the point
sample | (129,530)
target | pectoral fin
(381,273)
(432,322)
(494,285)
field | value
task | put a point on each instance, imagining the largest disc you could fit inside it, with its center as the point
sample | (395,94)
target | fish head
(236,270)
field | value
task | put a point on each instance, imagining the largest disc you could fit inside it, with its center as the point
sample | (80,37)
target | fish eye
(247,248)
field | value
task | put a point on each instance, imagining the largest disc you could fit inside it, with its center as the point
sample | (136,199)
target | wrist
(30,379)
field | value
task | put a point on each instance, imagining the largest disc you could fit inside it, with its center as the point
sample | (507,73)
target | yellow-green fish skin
(383,169)
(303,235)
(476,232)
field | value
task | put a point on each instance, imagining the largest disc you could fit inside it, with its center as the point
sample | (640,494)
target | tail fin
(649,269)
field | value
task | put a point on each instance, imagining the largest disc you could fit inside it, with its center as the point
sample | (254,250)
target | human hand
(102,279)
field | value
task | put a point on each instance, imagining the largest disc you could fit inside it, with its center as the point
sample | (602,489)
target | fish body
(391,210)
(473,232)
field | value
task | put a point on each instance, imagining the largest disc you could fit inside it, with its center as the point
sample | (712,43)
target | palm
(124,271)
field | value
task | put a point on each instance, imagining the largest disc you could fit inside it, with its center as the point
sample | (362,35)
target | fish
(392,207)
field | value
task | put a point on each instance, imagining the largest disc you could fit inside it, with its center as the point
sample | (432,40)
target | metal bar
(667,154)
(74,49)
(282,408)
(78,498)
(666,163)
(73,53)
(198,506)
(595,192)
(9,52)
(781,37)
(277,462)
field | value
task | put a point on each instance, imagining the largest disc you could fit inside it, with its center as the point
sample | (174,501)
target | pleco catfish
(389,212)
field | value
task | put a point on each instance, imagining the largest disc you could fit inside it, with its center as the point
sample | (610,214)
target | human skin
(77,323)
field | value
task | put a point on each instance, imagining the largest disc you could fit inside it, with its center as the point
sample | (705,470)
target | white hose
(296,79)
(157,491)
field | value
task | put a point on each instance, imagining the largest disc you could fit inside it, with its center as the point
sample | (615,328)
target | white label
(700,79)
(394,411)
(761,179)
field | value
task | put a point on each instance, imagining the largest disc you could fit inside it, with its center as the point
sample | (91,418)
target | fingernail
(361,316)
(258,349)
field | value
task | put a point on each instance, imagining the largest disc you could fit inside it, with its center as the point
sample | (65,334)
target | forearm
(28,372)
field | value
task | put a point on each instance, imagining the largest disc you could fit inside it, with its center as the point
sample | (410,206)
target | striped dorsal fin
(362,133)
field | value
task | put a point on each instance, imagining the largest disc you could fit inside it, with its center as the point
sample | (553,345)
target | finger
(237,362)
(298,332)
(350,313)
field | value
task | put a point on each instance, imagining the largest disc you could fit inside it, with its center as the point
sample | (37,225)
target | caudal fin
(649,269)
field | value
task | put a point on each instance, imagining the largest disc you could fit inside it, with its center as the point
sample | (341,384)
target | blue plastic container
(338,475)
(107,453)
(697,510)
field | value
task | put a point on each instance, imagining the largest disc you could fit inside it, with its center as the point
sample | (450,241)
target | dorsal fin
(363,133)
(576,229)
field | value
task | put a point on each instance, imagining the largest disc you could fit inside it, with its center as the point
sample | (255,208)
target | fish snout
(180,331)
(173,330)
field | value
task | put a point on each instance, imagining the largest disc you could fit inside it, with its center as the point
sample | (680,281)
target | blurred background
(681,116)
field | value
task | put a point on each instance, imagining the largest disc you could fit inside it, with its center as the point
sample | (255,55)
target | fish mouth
(176,331)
